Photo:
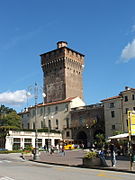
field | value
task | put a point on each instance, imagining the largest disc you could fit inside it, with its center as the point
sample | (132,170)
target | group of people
(51,149)
(112,151)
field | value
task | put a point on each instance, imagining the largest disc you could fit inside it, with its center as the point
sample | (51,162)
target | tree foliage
(100,138)
(9,117)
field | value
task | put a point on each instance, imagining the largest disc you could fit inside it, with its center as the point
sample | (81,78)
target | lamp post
(36,154)
(36,90)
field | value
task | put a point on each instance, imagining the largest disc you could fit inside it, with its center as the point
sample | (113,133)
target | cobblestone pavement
(74,158)
(71,157)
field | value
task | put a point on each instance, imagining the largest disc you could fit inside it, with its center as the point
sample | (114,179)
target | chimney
(61,44)
(127,88)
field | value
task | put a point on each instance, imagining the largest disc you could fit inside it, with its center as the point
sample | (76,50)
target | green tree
(8,120)
(100,138)
(117,132)
(12,119)
(9,117)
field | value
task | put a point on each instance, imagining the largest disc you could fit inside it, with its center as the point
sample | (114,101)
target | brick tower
(62,71)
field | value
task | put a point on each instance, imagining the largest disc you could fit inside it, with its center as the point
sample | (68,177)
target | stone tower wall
(62,70)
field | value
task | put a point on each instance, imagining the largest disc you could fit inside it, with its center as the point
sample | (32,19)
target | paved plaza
(74,158)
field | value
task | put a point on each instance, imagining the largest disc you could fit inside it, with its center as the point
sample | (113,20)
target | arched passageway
(81,138)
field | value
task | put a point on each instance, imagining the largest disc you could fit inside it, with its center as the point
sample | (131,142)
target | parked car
(3,149)
(69,146)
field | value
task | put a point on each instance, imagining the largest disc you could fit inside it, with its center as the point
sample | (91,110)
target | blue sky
(103,30)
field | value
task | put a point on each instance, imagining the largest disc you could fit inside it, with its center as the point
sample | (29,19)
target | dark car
(3,149)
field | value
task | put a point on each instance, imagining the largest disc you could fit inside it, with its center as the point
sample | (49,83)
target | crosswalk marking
(6,178)
(7,161)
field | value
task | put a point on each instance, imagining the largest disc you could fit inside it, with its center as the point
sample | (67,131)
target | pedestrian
(51,150)
(63,150)
(45,147)
(58,148)
(102,158)
(113,154)
(82,146)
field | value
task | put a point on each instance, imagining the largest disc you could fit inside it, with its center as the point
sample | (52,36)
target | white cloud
(13,98)
(128,52)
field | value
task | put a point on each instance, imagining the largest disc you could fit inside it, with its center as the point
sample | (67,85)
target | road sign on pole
(131,122)
(131,130)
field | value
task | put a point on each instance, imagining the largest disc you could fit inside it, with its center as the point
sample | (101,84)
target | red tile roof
(110,98)
(57,102)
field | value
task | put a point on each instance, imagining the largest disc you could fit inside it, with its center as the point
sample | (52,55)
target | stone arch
(81,137)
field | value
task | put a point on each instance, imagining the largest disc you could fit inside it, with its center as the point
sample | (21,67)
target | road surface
(12,167)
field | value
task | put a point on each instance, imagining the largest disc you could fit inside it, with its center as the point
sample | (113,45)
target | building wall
(25,122)
(122,103)
(86,121)
(46,113)
(128,104)
(55,112)
(114,122)
(20,137)
(73,73)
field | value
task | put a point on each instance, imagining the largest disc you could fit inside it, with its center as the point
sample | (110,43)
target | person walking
(113,154)
(102,158)
(63,150)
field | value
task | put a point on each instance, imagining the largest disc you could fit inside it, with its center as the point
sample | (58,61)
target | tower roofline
(62,48)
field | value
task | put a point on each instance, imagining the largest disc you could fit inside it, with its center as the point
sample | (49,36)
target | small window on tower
(111,105)
(56,109)
(113,114)
(126,98)
(67,133)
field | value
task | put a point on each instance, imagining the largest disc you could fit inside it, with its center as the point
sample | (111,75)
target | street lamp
(36,90)
(36,154)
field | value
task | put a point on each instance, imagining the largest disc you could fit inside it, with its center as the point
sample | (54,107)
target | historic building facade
(86,122)
(116,111)
(54,116)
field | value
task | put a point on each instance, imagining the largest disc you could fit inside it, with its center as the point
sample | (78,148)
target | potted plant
(91,159)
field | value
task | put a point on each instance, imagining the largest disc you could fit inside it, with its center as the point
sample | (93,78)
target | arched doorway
(81,138)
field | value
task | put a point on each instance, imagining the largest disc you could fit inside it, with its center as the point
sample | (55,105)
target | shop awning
(120,136)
